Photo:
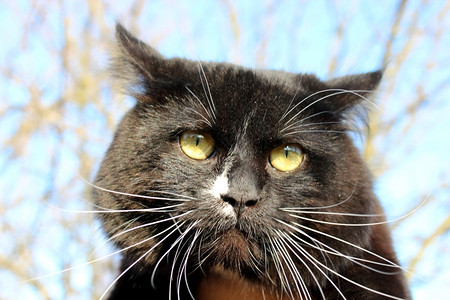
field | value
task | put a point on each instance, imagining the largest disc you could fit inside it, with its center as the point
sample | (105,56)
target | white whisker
(107,210)
(174,261)
(354,215)
(133,195)
(323,207)
(300,210)
(296,228)
(292,268)
(94,260)
(336,92)
(312,116)
(136,261)
(335,252)
(336,223)
(172,194)
(126,225)
(285,287)
(210,98)
(300,102)
(315,131)
(313,261)
(178,240)
(287,111)
(203,106)
(348,279)
(299,124)
(201,116)
(184,265)
(287,238)
(151,224)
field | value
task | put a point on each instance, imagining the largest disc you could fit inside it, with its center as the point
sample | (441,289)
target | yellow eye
(286,158)
(197,145)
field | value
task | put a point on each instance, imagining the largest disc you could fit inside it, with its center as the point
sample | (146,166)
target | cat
(224,182)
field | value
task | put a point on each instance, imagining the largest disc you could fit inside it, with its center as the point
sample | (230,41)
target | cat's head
(233,167)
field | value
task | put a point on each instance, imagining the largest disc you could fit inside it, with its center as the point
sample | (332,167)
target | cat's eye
(197,145)
(286,158)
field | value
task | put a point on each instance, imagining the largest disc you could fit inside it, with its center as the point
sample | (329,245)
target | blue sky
(411,162)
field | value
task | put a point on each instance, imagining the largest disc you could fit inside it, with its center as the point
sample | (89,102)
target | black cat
(232,183)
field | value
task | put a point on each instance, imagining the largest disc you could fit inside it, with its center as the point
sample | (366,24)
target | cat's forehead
(245,100)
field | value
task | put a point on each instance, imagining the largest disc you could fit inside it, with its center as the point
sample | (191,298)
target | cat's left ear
(352,90)
(141,70)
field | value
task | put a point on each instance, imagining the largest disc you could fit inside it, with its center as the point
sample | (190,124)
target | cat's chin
(233,250)
(235,239)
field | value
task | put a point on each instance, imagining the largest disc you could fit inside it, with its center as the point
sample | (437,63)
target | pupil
(286,152)
(197,141)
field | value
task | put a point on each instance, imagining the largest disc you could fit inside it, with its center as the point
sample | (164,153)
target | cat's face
(221,167)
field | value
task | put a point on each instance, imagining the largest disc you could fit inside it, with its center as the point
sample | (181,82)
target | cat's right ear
(139,69)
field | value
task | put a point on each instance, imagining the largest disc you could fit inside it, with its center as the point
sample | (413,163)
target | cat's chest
(223,285)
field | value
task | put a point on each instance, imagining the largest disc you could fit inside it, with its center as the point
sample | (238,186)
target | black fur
(244,111)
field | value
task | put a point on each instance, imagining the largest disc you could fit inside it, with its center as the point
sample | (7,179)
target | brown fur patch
(226,285)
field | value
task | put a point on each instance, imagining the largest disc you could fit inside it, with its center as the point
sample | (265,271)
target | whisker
(312,116)
(354,215)
(151,224)
(108,210)
(203,106)
(135,262)
(300,210)
(94,260)
(172,194)
(291,265)
(313,261)
(285,288)
(210,98)
(138,227)
(199,256)
(348,279)
(315,131)
(177,254)
(178,240)
(287,111)
(299,124)
(254,261)
(358,260)
(327,206)
(300,102)
(337,253)
(296,228)
(286,237)
(184,269)
(304,119)
(338,224)
(125,225)
(132,195)
(201,116)
(336,92)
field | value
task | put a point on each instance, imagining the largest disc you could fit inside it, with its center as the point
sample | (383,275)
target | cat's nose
(235,201)
(239,204)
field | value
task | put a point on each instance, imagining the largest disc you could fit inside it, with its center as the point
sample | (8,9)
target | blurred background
(58,112)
